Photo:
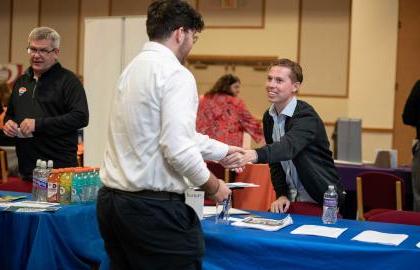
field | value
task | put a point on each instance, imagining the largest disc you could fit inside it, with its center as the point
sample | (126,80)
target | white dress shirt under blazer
(152,139)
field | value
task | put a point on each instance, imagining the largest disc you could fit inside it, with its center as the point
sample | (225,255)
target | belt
(151,194)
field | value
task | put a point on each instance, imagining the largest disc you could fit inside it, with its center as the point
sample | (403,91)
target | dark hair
(165,16)
(223,85)
(296,74)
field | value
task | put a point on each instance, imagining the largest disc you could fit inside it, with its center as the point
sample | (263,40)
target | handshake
(237,158)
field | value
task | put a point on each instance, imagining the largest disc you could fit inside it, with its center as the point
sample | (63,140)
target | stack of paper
(319,231)
(264,223)
(30,206)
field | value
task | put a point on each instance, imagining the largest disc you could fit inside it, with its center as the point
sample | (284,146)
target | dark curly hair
(165,16)
(223,85)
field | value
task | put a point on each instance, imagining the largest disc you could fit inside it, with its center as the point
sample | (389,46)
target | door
(408,72)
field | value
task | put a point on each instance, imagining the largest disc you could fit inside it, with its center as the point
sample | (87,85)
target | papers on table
(30,206)
(211,211)
(264,223)
(9,198)
(34,204)
(380,238)
(319,231)
(235,185)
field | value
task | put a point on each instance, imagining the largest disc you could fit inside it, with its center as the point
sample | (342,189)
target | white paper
(345,162)
(240,184)
(418,245)
(316,230)
(380,238)
(211,211)
(34,204)
(269,226)
(5,204)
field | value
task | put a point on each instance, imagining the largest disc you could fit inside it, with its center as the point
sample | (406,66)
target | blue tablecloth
(69,239)
(229,247)
(66,239)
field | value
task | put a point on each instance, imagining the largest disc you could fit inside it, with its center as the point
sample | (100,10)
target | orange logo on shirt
(22,90)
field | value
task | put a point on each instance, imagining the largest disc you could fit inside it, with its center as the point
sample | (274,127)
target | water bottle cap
(43,164)
(331,187)
(50,164)
(38,162)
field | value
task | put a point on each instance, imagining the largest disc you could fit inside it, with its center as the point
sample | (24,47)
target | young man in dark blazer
(411,116)
(297,149)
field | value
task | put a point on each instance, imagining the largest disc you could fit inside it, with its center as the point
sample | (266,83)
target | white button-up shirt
(152,140)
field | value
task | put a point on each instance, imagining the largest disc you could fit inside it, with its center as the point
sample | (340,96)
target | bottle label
(42,183)
(330,202)
(52,192)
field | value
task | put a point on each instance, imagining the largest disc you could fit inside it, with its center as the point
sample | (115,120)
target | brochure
(264,223)
(10,198)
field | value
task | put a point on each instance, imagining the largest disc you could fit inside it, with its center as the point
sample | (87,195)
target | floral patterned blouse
(225,118)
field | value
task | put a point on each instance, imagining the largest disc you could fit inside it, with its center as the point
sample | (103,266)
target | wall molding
(366,129)
(257,62)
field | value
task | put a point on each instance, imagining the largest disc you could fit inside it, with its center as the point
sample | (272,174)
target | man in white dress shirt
(153,148)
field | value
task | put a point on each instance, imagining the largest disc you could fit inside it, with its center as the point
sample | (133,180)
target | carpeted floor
(16,184)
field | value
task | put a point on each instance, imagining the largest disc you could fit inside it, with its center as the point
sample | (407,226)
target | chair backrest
(305,208)
(218,170)
(3,166)
(395,216)
(378,190)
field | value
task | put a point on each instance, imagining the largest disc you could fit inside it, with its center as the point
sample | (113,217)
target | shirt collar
(156,46)
(288,110)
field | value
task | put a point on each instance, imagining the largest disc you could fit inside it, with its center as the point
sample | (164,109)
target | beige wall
(372,51)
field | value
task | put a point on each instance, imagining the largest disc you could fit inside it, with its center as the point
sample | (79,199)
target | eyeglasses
(194,34)
(42,52)
(195,38)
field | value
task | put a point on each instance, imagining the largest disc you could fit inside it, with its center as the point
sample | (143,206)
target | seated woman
(223,116)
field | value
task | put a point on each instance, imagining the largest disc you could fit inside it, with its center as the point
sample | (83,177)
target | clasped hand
(237,158)
(27,126)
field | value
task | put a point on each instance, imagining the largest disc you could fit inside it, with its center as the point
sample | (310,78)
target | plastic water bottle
(50,165)
(43,182)
(35,176)
(330,207)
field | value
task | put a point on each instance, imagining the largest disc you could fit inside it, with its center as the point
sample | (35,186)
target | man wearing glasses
(47,107)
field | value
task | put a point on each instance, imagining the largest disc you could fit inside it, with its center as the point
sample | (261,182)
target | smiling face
(42,55)
(279,86)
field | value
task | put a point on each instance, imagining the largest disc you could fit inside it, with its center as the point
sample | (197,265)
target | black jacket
(305,143)
(411,114)
(58,104)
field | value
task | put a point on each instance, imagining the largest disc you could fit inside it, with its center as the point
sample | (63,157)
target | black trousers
(142,232)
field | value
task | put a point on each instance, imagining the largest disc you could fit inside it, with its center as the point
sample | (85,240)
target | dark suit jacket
(305,143)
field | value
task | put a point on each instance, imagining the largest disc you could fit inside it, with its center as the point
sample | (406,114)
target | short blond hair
(296,74)
(43,32)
